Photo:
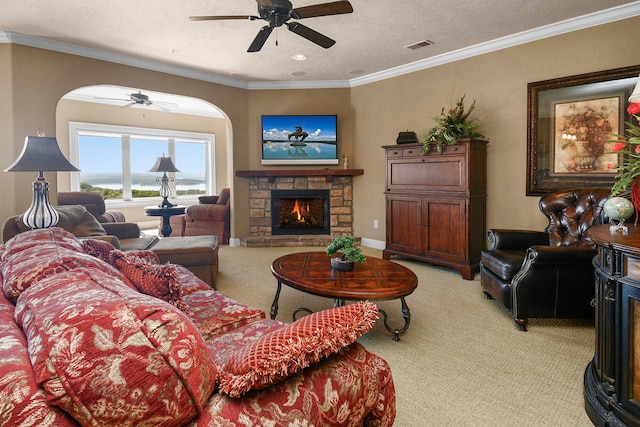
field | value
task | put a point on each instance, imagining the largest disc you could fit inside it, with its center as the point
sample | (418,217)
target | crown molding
(604,17)
(41,43)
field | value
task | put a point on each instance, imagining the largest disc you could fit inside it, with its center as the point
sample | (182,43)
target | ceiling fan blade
(311,35)
(222,17)
(260,39)
(323,9)
(128,104)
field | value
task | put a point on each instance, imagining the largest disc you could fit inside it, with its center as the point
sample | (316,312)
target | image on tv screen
(299,139)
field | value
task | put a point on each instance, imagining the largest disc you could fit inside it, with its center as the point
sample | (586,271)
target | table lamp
(164,164)
(40,154)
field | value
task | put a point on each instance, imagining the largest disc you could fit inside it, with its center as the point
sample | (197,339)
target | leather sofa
(93,202)
(77,220)
(546,274)
(93,336)
(210,217)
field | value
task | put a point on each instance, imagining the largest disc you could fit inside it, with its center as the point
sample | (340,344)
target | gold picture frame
(570,121)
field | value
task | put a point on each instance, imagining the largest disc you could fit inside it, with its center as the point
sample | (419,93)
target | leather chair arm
(208,212)
(504,239)
(560,255)
(122,230)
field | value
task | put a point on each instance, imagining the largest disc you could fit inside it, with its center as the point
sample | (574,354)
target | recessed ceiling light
(297,73)
(299,57)
(356,72)
(418,45)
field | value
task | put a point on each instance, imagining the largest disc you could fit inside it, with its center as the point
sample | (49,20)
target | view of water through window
(102,167)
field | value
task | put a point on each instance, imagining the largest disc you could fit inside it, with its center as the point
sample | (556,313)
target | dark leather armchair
(547,274)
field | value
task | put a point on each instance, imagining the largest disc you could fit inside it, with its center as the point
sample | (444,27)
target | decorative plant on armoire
(452,126)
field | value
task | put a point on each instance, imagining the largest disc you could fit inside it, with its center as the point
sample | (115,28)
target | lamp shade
(41,153)
(164,164)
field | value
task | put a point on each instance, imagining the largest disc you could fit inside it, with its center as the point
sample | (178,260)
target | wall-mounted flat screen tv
(303,140)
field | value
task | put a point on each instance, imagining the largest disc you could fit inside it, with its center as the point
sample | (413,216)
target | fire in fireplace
(300,212)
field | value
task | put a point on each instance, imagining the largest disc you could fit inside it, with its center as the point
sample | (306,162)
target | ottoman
(199,254)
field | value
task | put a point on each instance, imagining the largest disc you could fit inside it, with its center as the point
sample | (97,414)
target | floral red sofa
(83,341)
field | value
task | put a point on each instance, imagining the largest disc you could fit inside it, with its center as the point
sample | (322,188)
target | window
(115,161)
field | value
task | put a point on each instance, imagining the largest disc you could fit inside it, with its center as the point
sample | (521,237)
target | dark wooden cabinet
(435,204)
(612,379)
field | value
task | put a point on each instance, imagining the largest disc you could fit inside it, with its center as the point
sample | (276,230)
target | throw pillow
(98,248)
(157,280)
(281,353)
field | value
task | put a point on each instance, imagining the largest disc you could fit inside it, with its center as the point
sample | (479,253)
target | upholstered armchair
(546,274)
(210,217)
(93,202)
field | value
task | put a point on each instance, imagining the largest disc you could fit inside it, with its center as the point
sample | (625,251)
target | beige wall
(369,116)
(499,83)
(86,112)
(39,78)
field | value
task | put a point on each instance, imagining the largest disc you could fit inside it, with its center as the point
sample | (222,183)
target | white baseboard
(372,243)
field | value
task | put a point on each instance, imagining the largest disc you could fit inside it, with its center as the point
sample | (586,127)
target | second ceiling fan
(279,12)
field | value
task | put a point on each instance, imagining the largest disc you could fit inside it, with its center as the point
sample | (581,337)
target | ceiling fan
(279,12)
(143,100)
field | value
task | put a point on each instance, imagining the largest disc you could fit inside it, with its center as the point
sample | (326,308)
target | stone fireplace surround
(339,182)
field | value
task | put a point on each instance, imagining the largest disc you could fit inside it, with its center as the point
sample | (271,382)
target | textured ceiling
(370,40)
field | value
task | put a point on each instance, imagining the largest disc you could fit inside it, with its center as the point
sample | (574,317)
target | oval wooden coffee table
(375,279)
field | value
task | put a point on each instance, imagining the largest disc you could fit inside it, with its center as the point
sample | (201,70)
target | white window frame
(128,132)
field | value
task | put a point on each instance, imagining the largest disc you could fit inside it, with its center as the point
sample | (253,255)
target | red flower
(618,146)
(634,108)
(637,150)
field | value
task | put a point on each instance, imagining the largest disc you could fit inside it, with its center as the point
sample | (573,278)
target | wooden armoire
(436,203)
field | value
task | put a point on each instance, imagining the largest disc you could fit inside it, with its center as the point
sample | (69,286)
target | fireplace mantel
(271,174)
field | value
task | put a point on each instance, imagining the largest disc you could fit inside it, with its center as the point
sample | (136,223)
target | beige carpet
(462,362)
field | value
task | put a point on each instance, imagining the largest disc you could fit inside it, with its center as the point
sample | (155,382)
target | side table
(165,213)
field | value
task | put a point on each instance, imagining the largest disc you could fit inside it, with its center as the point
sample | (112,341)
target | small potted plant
(346,252)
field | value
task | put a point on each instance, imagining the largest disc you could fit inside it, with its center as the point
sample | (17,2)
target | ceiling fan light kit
(279,12)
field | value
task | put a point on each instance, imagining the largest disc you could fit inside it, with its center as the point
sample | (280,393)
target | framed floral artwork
(572,121)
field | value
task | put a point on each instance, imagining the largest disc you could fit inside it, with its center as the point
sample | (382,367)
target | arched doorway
(146,109)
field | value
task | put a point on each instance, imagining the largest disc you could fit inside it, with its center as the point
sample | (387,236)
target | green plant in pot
(346,253)
(452,126)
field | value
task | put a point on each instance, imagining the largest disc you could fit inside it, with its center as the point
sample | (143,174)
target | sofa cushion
(503,263)
(214,313)
(109,355)
(281,353)
(157,280)
(31,238)
(79,221)
(22,269)
(23,402)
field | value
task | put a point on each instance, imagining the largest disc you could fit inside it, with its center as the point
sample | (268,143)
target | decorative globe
(618,208)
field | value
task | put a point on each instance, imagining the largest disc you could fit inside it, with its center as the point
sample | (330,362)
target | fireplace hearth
(337,182)
(298,212)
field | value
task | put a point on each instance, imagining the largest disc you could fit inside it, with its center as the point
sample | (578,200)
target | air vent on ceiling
(418,45)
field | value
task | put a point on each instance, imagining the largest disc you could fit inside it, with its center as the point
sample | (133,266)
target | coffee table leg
(274,305)
(406,315)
